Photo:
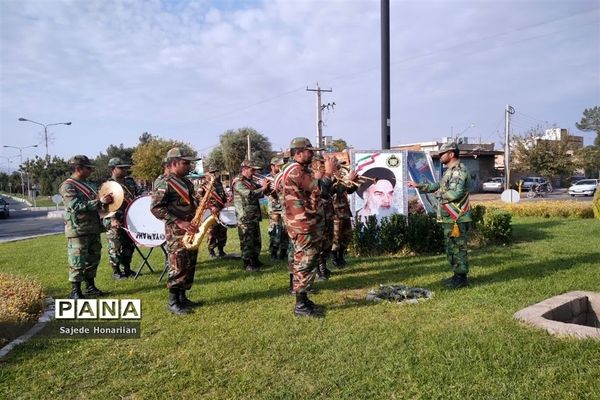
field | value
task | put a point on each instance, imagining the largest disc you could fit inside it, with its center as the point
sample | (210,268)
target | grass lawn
(244,343)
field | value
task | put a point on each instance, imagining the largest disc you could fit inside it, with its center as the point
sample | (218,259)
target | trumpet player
(325,212)
(278,237)
(217,234)
(247,190)
(342,220)
(174,203)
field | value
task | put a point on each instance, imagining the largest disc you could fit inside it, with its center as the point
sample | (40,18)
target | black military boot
(274,255)
(323,273)
(117,274)
(335,259)
(221,253)
(283,254)
(449,281)
(306,308)
(174,304)
(211,253)
(257,262)
(185,302)
(251,266)
(341,256)
(460,281)
(76,291)
(127,272)
(91,289)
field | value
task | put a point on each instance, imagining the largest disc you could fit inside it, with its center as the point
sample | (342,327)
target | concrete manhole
(574,314)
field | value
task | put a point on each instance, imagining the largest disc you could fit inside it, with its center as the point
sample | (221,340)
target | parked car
(531,181)
(494,185)
(4,212)
(585,187)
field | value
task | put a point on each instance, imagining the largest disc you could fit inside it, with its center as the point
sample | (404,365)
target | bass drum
(228,218)
(142,226)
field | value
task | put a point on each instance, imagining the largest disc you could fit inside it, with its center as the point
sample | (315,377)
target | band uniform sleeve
(159,202)
(77,203)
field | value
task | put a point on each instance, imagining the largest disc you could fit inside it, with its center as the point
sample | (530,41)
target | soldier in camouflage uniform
(82,226)
(454,212)
(342,220)
(246,195)
(301,198)
(325,214)
(278,244)
(120,245)
(174,203)
(217,234)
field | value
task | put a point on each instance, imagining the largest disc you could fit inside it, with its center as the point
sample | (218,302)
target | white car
(585,187)
(494,185)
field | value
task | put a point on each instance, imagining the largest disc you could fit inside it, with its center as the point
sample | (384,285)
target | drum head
(142,226)
(228,218)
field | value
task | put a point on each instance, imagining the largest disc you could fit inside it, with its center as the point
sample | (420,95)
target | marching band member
(278,243)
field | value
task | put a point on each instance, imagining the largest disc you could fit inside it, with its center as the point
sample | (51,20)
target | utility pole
(248,148)
(318,90)
(385,75)
(508,111)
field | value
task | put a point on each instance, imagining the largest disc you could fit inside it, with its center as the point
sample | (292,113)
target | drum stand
(147,256)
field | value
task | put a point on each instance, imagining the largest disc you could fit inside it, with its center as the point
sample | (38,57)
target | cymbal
(116,190)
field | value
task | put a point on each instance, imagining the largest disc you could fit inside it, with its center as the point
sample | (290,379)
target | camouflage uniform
(454,212)
(120,245)
(325,214)
(173,200)
(246,195)
(217,234)
(279,241)
(342,222)
(82,229)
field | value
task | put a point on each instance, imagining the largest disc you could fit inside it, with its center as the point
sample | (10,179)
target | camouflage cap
(118,163)
(178,152)
(302,143)
(249,164)
(81,160)
(277,161)
(450,146)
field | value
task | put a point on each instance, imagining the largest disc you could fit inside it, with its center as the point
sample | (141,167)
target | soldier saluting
(454,212)
(82,226)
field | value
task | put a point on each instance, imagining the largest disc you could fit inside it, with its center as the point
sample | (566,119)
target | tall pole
(45,129)
(21,165)
(318,90)
(385,74)
(508,111)
(248,148)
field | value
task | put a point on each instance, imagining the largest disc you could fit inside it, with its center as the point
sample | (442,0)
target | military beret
(81,160)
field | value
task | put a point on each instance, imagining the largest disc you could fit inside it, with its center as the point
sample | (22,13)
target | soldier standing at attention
(278,244)
(454,212)
(82,226)
(301,197)
(325,213)
(174,203)
(246,195)
(120,245)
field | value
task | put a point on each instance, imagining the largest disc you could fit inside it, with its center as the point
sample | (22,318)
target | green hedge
(421,233)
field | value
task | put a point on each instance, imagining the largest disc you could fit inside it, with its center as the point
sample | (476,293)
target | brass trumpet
(360,180)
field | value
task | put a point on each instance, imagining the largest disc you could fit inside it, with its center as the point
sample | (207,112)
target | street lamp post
(45,129)
(21,157)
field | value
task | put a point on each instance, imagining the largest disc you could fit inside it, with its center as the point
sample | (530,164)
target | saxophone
(192,241)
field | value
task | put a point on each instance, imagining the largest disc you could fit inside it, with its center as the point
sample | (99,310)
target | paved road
(25,223)
(557,194)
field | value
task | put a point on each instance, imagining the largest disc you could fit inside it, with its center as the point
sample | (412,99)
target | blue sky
(189,70)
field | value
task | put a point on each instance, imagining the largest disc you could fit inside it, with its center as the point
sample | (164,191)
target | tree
(146,137)
(101,170)
(545,157)
(339,145)
(46,173)
(588,159)
(590,122)
(215,160)
(148,157)
(233,147)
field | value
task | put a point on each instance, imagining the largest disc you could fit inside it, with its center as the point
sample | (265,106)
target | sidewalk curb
(18,239)
(42,321)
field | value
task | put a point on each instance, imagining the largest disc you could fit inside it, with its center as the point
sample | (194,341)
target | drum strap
(181,188)
(83,188)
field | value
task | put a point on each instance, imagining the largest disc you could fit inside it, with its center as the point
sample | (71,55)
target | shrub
(21,302)
(546,209)
(424,234)
(393,234)
(496,226)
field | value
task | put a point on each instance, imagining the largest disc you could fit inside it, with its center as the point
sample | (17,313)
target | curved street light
(21,156)
(45,129)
